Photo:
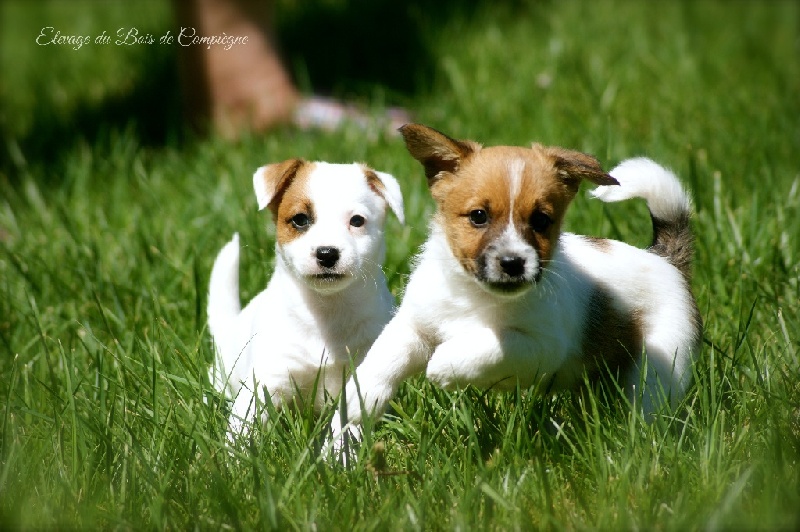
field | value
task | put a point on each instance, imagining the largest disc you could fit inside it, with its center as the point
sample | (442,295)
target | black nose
(327,256)
(512,266)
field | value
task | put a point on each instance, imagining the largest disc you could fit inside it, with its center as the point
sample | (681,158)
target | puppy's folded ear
(387,187)
(573,166)
(271,180)
(436,151)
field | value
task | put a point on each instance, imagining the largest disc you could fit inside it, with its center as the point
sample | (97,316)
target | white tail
(668,203)
(644,178)
(223,305)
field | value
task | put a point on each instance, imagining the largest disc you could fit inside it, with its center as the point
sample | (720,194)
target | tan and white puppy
(327,299)
(501,297)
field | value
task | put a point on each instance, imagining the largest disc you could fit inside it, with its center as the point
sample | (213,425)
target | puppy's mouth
(328,276)
(508,287)
(328,282)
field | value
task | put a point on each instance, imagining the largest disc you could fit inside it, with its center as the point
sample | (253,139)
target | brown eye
(357,220)
(300,221)
(540,222)
(478,217)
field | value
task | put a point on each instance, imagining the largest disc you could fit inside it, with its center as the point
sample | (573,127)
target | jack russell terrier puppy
(327,300)
(501,298)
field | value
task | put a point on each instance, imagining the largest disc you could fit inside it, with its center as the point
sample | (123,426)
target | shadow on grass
(150,106)
(350,49)
(350,46)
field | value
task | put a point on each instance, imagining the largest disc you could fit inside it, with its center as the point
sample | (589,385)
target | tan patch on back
(484,181)
(292,200)
(600,244)
(612,340)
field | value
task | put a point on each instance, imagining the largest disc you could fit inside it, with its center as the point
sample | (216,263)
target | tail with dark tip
(668,203)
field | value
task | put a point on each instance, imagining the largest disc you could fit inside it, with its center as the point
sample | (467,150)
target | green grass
(111,215)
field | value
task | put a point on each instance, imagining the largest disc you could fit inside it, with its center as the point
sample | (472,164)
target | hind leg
(663,374)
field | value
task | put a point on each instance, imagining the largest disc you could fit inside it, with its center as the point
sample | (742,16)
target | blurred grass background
(111,213)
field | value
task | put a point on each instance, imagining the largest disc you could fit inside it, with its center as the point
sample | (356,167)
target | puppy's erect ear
(271,180)
(572,166)
(387,187)
(436,151)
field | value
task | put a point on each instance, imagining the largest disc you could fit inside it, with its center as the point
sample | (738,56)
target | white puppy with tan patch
(327,299)
(501,298)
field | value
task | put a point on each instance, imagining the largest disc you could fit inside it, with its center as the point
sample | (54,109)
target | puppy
(500,297)
(327,300)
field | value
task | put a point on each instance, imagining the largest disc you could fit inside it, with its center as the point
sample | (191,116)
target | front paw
(442,370)
(467,360)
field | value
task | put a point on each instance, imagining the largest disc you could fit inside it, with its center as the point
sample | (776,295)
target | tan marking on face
(486,180)
(293,200)
(612,340)
(374,182)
